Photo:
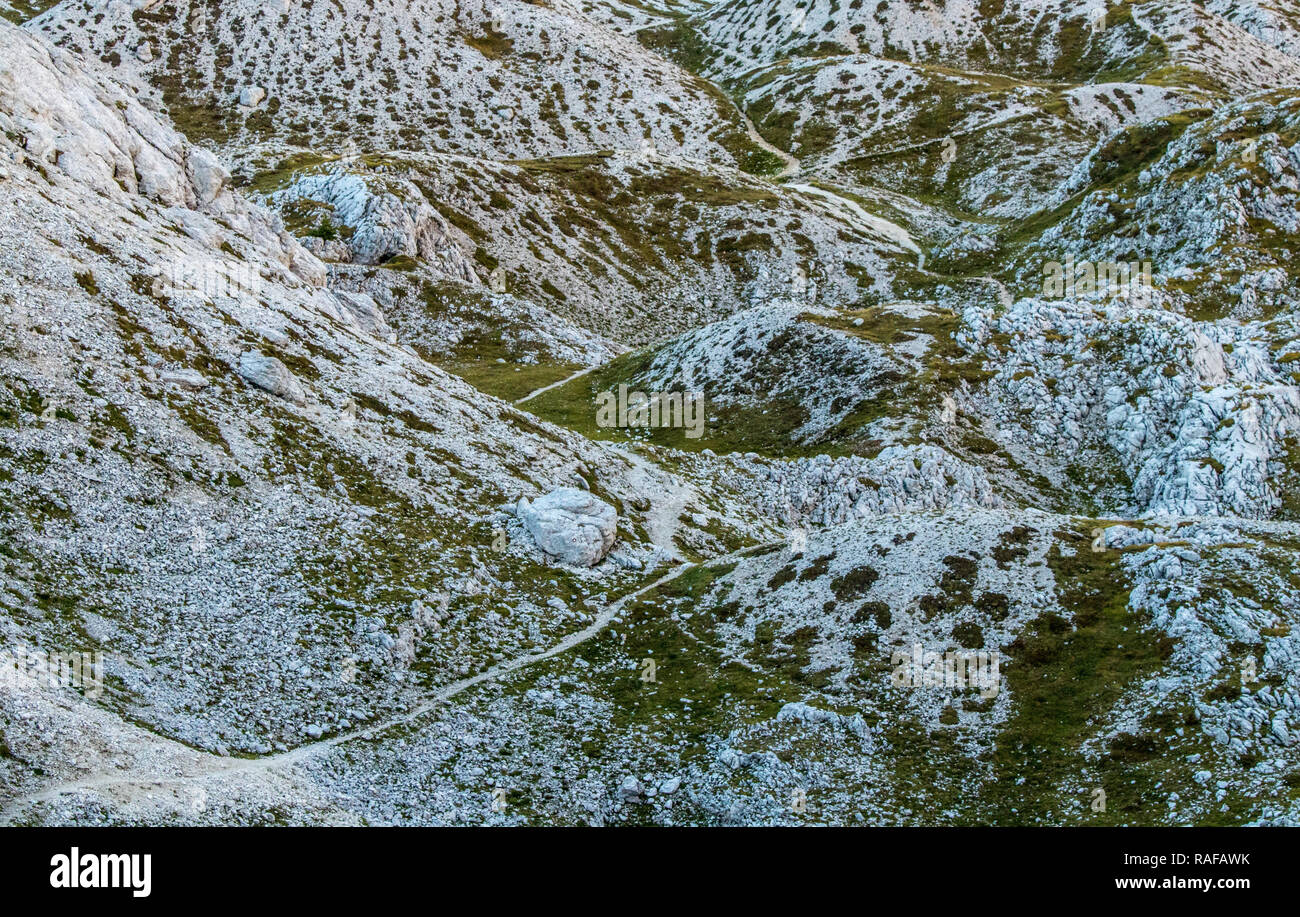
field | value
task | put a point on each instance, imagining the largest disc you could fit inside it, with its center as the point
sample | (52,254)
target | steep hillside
(638,246)
(229,473)
(502,79)
(1225,46)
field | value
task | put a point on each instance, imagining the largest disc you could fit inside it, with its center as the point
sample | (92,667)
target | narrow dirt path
(565,381)
(791,167)
(662,519)
(213,766)
(857,216)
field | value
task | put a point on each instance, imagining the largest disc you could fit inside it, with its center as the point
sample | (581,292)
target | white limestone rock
(271,375)
(251,96)
(388,217)
(184,378)
(805,713)
(570,525)
(328,249)
(370,318)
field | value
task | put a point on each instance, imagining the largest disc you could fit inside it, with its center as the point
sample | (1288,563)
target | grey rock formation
(271,375)
(571,525)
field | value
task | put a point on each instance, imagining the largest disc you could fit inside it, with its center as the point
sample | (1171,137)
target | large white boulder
(270,375)
(207,175)
(571,525)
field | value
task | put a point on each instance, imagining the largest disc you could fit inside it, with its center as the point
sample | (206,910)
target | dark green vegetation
(672,693)
(491,44)
(19,11)
(718,692)
(692,695)
(1067,676)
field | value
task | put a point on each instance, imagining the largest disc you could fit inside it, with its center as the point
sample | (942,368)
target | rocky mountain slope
(314,316)
(507,79)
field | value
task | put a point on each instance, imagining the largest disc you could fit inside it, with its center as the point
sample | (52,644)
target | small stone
(184,378)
